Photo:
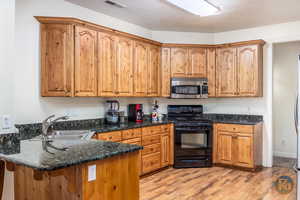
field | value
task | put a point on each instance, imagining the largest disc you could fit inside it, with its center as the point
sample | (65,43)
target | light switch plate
(92,173)
(6,122)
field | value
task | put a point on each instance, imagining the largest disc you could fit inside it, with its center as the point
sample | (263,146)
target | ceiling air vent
(115,3)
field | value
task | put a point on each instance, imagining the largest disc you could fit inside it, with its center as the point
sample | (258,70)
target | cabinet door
(179,62)
(165,150)
(153,71)
(124,69)
(224,154)
(140,69)
(211,72)
(197,63)
(85,62)
(226,72)
(248,71)
(165,72)
(243,150)
(106,64)
(57,59)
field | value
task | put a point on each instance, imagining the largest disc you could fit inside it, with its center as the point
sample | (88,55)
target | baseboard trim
(284,154)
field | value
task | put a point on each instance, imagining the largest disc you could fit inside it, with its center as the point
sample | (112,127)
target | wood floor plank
(215,183)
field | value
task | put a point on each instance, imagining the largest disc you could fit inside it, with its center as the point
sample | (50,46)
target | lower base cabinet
(238,145)
(158,143)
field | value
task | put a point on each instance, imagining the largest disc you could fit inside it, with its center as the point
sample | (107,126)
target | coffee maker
(135,112)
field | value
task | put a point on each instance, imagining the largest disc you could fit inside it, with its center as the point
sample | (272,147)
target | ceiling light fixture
(115,3)
(197,7)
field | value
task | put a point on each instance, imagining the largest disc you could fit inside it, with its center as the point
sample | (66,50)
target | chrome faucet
(47,123)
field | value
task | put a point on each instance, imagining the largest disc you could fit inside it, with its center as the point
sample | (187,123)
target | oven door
(193,148)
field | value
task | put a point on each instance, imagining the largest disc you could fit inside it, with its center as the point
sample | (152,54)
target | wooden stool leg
(2,171)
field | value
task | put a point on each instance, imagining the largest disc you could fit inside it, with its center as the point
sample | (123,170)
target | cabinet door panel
(153,71)
(226,72)
(165,72)
(224,147)
(85,62)
(211,72)
(248,83)
(179,62)
(106,64)
(124,69)
(165,150)
(197,63)
(57,59)
(244,150)
(140,69)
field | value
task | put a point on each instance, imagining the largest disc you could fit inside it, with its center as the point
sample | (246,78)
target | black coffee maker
(135,113)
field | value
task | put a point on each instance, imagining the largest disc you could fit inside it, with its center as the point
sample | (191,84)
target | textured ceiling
(235,14)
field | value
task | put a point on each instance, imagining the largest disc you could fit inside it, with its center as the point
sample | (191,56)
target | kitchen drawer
(115,136)
(149,149)
(136,141)
(165,129)
(148,140)
(131,133)
(153,130)
(235,128)
(150,163)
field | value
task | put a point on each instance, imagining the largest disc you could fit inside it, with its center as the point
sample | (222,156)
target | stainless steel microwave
(189,88)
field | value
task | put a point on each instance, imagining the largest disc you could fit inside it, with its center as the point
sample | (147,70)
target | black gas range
(193,136)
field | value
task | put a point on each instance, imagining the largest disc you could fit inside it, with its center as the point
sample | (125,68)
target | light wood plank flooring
(215,184)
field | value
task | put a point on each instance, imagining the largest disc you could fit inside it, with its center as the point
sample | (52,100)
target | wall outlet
(283,142)
(6,122)
(92,169)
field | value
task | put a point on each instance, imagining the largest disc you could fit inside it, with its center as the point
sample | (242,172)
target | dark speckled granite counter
(233,118)
(33,155)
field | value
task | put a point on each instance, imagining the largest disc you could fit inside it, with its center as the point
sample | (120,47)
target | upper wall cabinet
(124,67)
(57,59)
(153,71)
(165,72)
(83,59)
(179,62)
(249,70)
(86,75)
(106,64)
(197,66)
(239,71)
(140,71)
(226,72)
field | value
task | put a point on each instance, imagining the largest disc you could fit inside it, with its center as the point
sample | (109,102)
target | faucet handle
(50,117)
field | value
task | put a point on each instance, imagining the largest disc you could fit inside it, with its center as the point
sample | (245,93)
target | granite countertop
(34,156)
(233,118)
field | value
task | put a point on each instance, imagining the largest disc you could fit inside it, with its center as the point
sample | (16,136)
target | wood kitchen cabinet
(140,71)
(211,71)
(239,71)
(107,64)
(86,66)
(124,67)
(57,60)
(249,70)
(197,66)
(238,145)
(179,62)
(153,82)
(158,143)
(226,72)
(165,72)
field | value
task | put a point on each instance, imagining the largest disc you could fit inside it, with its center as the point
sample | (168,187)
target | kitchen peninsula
(86,170)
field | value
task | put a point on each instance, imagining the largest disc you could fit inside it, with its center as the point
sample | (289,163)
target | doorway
(285,76)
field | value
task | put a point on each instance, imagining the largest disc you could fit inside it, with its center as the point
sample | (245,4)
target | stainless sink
(70,135)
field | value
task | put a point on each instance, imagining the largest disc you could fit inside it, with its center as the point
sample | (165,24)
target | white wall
(183,37)
(285,75)
(7,18)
